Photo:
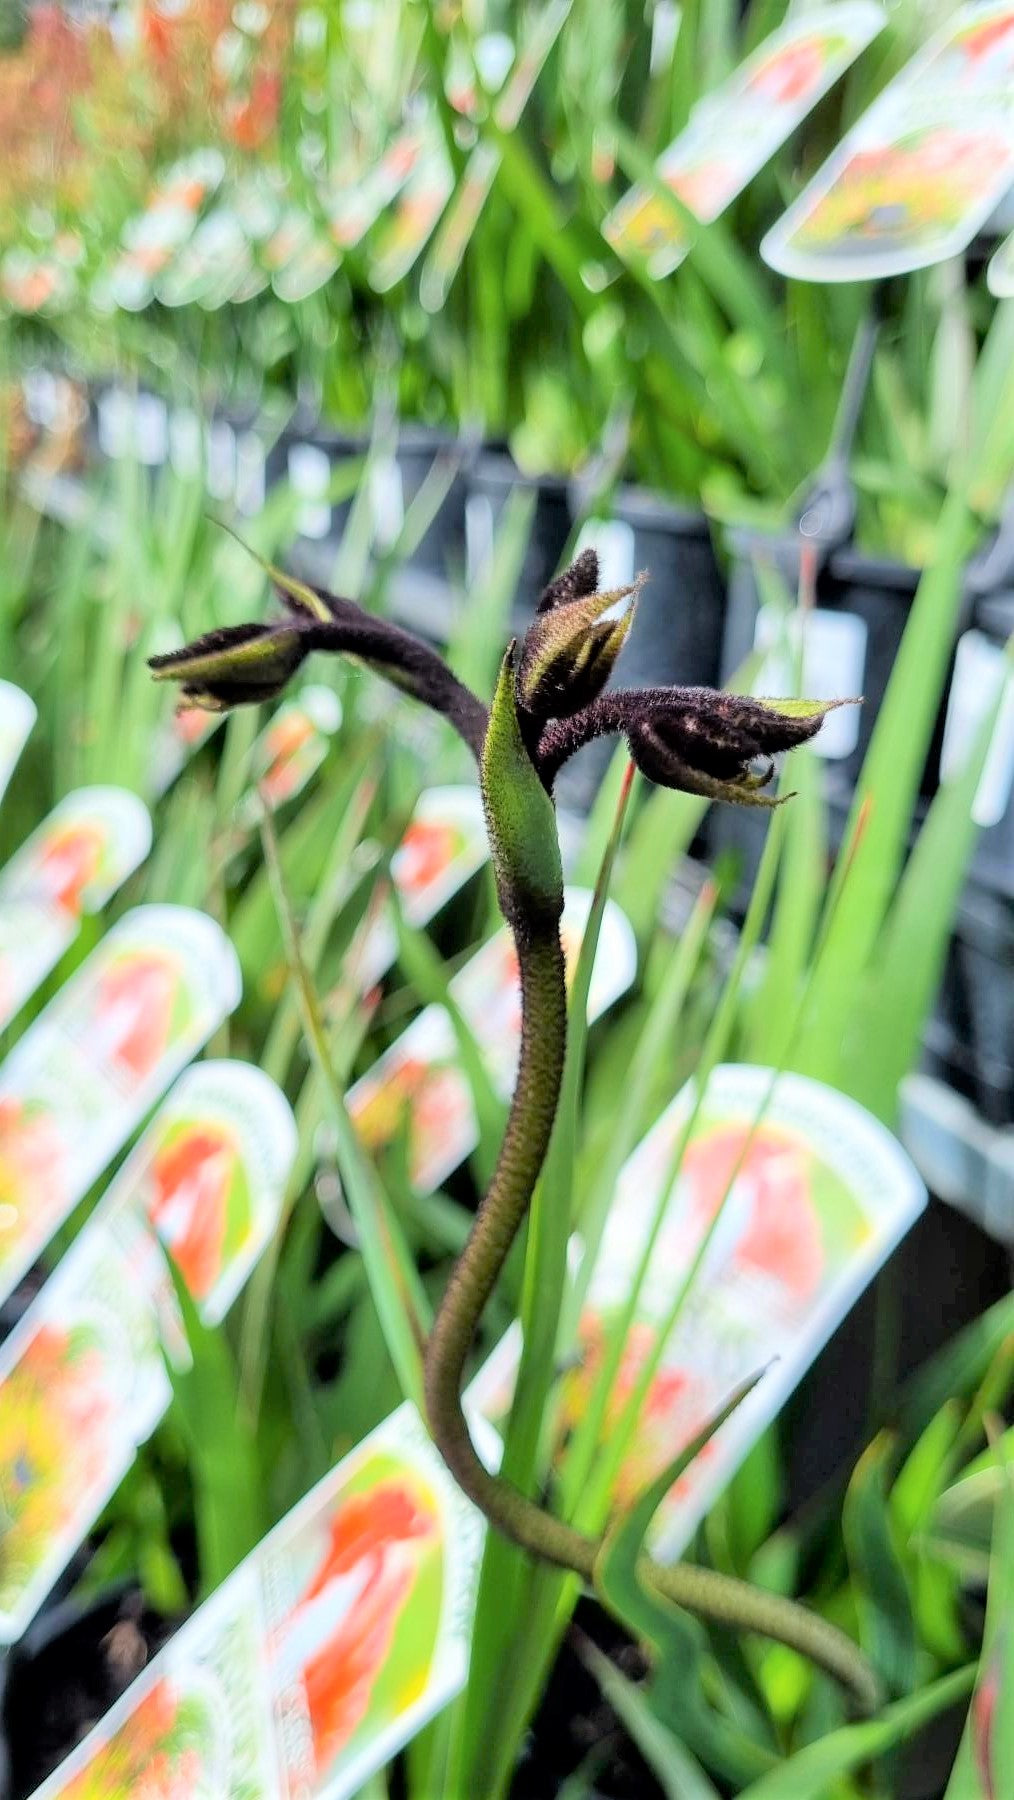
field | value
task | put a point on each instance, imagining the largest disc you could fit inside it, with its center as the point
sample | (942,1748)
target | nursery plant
(549,700)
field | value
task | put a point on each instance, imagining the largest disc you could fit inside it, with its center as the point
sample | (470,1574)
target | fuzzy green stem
(709,1594)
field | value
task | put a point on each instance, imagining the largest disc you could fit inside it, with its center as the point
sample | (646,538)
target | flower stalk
(549,701)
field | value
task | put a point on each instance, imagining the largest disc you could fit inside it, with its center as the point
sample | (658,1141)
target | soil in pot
(66,1672)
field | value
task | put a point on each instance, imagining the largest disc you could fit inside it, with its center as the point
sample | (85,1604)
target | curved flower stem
(705,1592)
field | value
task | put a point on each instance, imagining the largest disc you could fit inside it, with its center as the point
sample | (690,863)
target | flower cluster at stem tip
(701,740)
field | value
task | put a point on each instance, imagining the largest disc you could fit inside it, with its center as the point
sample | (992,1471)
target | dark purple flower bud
(568,653)
(706,742)
(579,580)
(235,666)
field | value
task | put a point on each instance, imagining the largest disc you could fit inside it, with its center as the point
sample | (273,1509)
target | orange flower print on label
(33,1165)
(68,863)
(781,1234)
(426,851)
(187,1202)
(133,1012)
(349,1606)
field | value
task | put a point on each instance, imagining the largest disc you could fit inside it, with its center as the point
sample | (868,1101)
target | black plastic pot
(970,1039)
(70,1667)
(678,631)
(489,482)
(861,610)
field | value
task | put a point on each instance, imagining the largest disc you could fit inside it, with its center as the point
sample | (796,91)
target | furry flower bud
(569,650)
(235,666)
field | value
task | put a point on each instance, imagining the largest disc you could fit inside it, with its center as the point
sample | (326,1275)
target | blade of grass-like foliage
(801,882)
(812,1772)
(984,1769)
(617,1579)
(397,1291)
(957,1368)
(884,798)
(888,784)
(276,1059)
(500,1582)
(890,1013)
(476,647)
(660,835)
(878,1577)
(428,977)
(677,1772)
(223,1452)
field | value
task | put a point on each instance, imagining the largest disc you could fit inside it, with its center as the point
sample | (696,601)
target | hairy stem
(710,1595)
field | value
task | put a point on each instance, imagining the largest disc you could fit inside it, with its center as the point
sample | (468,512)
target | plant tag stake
(823,1194)
(85,1364)
(322,1654)
(981,669)
(733,132)
(73,864)
(17,716)
(923,169)
(89,1067)
(418,1080)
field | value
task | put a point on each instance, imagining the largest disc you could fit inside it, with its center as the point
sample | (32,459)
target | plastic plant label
(834,664)
(71,865)
(402,237)
(310,266)
(290,749)
(211,267)
(444,259)
(98,1056)
(387,501)
(443,847)
(820,1194)
(418,1084)
(981,669)
(733,132)
(352,210)
(319,1657)
(613,542)
(1000,273)
(17,716)
(182,731)
(923,169)
(309,470)
(86,1362)
(152,238)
